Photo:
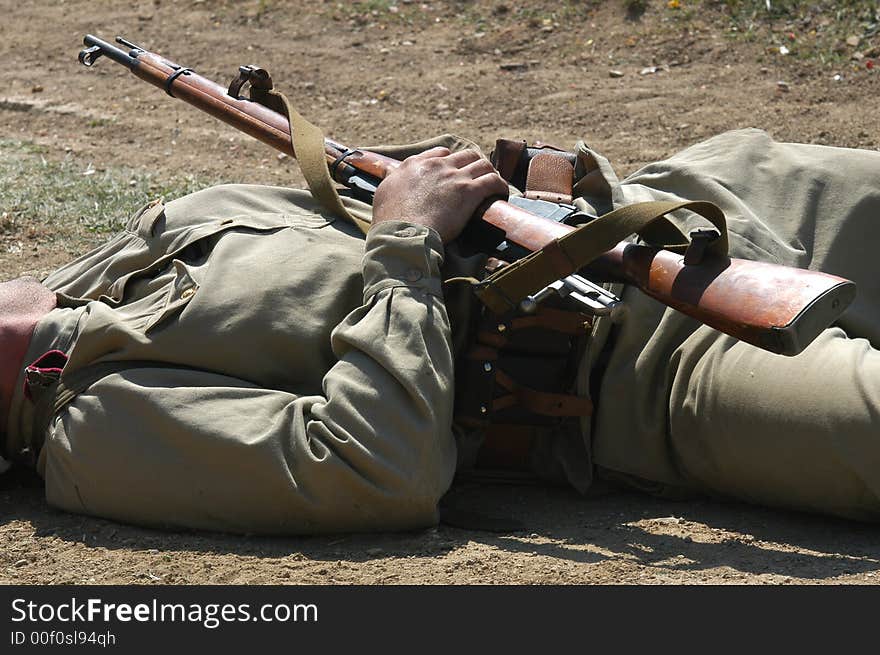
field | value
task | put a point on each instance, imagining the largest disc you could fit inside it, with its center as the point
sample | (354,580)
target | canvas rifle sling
(502,291)
(307,141)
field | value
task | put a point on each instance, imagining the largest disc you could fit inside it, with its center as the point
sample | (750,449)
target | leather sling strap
(502,291)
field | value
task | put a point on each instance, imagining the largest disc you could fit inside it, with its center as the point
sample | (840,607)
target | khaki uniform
(692,409)
(266,370)
(278,373)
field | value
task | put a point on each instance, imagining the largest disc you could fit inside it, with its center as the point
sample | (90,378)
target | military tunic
(278,373)
(274,372)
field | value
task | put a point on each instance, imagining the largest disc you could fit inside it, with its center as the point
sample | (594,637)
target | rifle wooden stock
(778,308)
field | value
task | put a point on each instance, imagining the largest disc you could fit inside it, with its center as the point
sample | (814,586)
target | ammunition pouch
(516,383)
(517,368)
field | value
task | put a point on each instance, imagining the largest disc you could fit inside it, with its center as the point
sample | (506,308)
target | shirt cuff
(402,254)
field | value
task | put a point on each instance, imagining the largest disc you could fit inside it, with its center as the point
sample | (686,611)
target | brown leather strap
(558,320)
(492,339)
(506,157)
(549,318)
(505,402)
(540,402)
(550,178)
(482,353)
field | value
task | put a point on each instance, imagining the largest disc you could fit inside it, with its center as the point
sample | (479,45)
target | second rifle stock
(777,308)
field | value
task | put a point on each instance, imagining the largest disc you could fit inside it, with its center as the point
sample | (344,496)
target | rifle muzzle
(98,47)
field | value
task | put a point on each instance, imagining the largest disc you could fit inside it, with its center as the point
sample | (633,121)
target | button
(413,275)
(187,293)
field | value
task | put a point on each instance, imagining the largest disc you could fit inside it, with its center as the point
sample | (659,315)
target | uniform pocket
(158,233)
(165,241)
(180,293)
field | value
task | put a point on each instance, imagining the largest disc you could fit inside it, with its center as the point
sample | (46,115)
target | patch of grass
(101,122)
(809,29)
(378,13)
(240,11)
(536,14)
(70,195)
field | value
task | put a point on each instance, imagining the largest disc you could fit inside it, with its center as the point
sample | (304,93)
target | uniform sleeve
(374,451)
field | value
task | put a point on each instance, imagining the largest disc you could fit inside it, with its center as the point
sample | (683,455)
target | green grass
(809,29)
(37,192)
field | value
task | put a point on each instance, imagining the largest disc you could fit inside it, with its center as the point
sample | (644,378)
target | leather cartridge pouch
(550,178)
(516,372)
(516,381)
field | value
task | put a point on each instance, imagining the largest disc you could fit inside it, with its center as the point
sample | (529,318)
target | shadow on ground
(687,536)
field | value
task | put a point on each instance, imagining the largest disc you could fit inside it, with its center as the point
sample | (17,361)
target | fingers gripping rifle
(778,308)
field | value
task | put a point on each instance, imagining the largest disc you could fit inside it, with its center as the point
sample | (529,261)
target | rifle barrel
(98,47)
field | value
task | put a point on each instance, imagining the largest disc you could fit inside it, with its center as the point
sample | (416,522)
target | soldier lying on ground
(236,360)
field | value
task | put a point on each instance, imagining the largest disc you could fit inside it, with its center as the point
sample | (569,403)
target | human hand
(438,189)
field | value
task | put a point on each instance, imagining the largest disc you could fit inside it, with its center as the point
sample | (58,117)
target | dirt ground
(394,72)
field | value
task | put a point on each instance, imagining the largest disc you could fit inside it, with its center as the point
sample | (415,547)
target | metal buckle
(587,296)
(700,241)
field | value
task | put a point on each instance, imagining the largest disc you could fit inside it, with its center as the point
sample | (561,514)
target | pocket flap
(143,223)
(182,291)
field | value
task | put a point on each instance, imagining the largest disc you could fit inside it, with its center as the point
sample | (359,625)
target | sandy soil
(396,77)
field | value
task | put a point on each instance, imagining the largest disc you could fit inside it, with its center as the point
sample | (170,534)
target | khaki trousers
(689,408)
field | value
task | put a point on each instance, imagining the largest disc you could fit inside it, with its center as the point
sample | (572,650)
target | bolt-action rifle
(778,308)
